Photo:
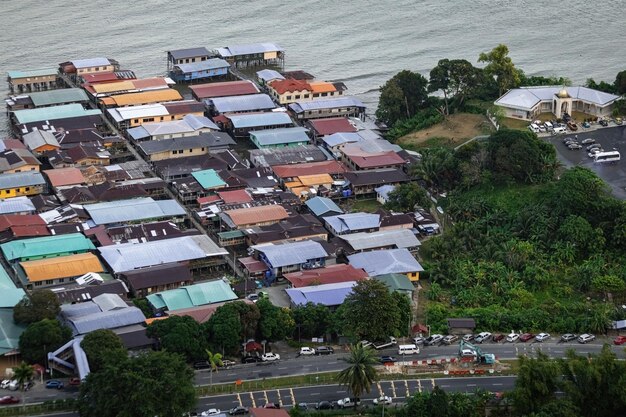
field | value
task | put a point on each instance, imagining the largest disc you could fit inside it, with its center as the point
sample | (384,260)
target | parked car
(593,146)
(227,363)
(9,399)
(239,410)
(270,357)
(324,405)
(5,383)
(307,351)
(253,297)
(618,121)
(382,400)
(585,338)
(568,337)
(541,337)
(366,343)
(13,385)
(201,365)
(468,352)
(74,381)
(347,402)
(588,141)
(324,350)
(512,337)
(574,146)
(482,337)
(418,340)
(302,406)
(449,339)
(250,359)
(54,383)
(586,125)
(272,405)
(387,359)
(211,412)
(604,123)
(468,337)
(526,337)
(594,151)
(619,340)
(434,339)
(498,337)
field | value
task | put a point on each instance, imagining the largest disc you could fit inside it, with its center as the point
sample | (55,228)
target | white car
(383,400)
(512,338)
(307,351)
(482,337)
(211,412)
(468,352)
(585,338)
(542,337)
(270,357)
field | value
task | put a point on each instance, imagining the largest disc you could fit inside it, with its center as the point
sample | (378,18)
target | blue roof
(326,294)
(188,52)
(209,64)
(16,205)
(195,295)
(270,137)
(208,178)
(269,75)
(132,210)
(322,205)
(249,102)
(341,137)
(259,119)
(384,190)
(33,73)
(199,122)
(91,62)
(381,262)
(52,113)
(351,222)
(294,253)
(330,103)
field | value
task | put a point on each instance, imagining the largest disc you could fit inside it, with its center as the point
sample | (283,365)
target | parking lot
(612,138)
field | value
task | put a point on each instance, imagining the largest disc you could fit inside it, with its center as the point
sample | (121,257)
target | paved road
(290,364)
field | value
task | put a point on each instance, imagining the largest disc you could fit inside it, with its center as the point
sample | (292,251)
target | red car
(498,337)
(75,381)
(526,337)
(9,399)
(619,340)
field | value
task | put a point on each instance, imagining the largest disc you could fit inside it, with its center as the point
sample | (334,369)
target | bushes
(421,120)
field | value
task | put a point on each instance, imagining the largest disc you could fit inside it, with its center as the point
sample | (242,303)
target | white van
(559,130)
(408,350)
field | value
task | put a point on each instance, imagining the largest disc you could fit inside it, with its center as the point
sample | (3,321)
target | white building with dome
(526,103)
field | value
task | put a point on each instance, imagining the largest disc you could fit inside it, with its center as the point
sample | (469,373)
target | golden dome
(563,93)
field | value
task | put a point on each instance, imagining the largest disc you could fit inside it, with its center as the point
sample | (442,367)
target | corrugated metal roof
(380,262)
(291,253)
(224,89)
(271,137)
(376,176)
(61,267)
(132,210)
(209,64)
(11,332)
(400,238)
(268,75)
(107,320)
(63,95)
(350,222)
(129,256)
(327,294)
(91,62)
(331,274)
(200,122)
(396,282)
(243,103)
(38,138)
(188,52)
(33,73)
(260,214)
(333,125)
(248,49)
(208,178)
(384,190)
(146,97)
(138,112)
(320,104)
(11,295)
(241,121)
(53,113)
(46,246)
(113,87)
(108,302)
(16,205)
(193,295)
(65,176)
(21,179)
(528,97)
(322,205)
(151,147)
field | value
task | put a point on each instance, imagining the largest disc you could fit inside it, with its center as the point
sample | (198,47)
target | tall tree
(275,323)
(39,305)
(23,373)
(232,324)
(360,373)
(536,383)
(500,66)
(406,196)
(620,82)
(312,320)
(456,78)
(153,384)
(401,97)
(180,334)
(42,337)
(100,345)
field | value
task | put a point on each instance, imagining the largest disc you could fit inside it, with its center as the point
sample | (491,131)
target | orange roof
(112,87)
(61,267)
(309,168)
(146,97)
(235,196)
(284,86)
(107,101)
(322,87)
(65,176)
(255,215)
(153,319)
(152,82)
(316,179)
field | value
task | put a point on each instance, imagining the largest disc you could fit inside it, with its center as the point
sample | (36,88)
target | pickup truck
(391,342)
(347,402)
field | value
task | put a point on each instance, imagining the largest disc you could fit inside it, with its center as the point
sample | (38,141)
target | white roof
(134,209)
(135,112)
(400,238)
(526,98)
(90,62)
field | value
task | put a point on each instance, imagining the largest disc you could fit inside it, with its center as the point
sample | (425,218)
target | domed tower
(562,103)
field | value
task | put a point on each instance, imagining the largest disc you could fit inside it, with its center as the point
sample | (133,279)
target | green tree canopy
(360,373)
(443,404)
(500,65)
(456,78)
(438,167)
(313,320)
(39,305)
(406,196)
(232,324)
(101,345)
(23,373)
(276,323)
(536,383)
(401,97)
(42,337)
(153,384)
(181,334)
(620,82)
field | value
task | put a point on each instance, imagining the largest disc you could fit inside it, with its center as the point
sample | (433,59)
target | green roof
(396,282)
(64,95)
(193,295)
(231,234)
(46,246)
(53,113)
(32,73)
(208,178)
(9,293)
(9,331)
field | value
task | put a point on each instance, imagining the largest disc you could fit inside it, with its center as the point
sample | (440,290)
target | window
(38,284)
(202,149)
(190,150)
(27,189)
(7,191)
(324,94)
(297,96)
(61,280)
(305,96)
(136,121)
(316,95)
(49,282)
(288,97)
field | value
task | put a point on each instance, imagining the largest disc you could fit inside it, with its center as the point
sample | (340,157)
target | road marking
(433,382)
(419,385)
(406,385)
(315,393)
(380,389)
(283,367)
(393,389)
(265,396)
(252,398)
(293,397)
(239,399)
(280,400)
(471,385)
(496,385)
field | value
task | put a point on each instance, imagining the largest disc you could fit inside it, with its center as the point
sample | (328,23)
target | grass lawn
(454,130)
(368,206)
(510,123)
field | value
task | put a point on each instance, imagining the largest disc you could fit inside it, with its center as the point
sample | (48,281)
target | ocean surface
(362,43)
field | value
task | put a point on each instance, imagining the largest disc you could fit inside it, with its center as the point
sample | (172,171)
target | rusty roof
(65,176)
(328,275)
(223,89)
(325,127)
(255,215)
(235,196)
(310,168)
(61,267)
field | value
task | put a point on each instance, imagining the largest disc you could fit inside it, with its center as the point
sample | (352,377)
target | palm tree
(360,373)
(215,360)
(23,373)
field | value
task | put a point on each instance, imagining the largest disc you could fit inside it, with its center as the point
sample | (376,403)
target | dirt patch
(456,129)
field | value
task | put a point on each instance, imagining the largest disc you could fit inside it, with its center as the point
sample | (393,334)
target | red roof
(29,231)
(153,82)
(289,85)
(100,77)
(224,89)
(208,199)
(235,196)
(203,313)
(65,176)
(14,144)
(253,265)
(384,159)
(309,168)
(325,127)
(16,220)
(329,275)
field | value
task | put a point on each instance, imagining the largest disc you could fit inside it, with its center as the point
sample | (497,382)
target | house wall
(144,292)
(45,148)
(167,118)
(413,276)
(93,161)
(182,153)
(326,113)
(20,191)
(90,70)
(196,75)
(23,168)
(189,60)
